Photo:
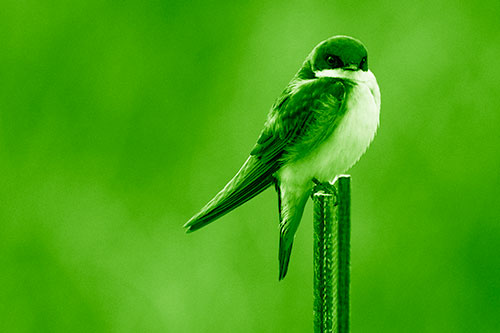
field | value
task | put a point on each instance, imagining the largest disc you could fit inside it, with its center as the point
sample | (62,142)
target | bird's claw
(325,187)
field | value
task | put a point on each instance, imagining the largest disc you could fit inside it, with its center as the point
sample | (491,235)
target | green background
(120,119)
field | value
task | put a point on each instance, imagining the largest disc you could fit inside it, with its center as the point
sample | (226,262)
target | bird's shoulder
(298,104)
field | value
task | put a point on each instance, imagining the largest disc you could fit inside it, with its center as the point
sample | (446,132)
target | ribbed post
(332,255)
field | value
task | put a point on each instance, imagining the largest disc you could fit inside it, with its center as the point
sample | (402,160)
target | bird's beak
(351,67)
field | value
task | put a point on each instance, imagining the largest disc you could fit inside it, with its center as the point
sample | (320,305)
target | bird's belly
(345,145)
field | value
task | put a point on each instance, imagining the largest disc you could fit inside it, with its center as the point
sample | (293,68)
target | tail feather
(292,202)
(284,258)
(253,178)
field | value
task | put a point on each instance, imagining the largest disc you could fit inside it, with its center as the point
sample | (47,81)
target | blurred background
(120,119)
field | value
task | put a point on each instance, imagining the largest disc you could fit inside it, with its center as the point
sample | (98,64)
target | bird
(317,129)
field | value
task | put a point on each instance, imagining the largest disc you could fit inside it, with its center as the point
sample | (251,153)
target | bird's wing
(253,177)
(303,116)
(285,123)
(306,117)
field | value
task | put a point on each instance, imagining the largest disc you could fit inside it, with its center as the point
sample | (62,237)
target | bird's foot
(324,187)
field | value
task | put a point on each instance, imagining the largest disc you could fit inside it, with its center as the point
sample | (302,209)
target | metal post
(332,256)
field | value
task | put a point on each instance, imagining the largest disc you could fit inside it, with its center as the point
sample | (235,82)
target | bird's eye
(362,64)
(333,61)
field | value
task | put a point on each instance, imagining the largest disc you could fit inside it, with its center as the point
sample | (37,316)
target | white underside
(349,140)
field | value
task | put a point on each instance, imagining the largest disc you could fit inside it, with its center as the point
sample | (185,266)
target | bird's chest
(351,138)
(348,141)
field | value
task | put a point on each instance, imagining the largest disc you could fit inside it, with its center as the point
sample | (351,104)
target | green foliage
(120,119)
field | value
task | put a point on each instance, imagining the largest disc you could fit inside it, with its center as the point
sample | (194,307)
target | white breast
(349,140)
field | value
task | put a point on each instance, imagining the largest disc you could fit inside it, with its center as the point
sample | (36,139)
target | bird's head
(335,53)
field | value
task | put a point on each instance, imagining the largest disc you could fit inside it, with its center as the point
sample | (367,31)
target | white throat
(359,76)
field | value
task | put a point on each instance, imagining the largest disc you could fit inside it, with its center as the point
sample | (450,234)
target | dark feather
(302,117)
(284,258)
(253,178)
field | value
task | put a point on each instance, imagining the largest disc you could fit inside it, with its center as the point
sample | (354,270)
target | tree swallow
(320,125)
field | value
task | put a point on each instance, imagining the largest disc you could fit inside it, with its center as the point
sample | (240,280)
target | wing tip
(190,225)
(194,224)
